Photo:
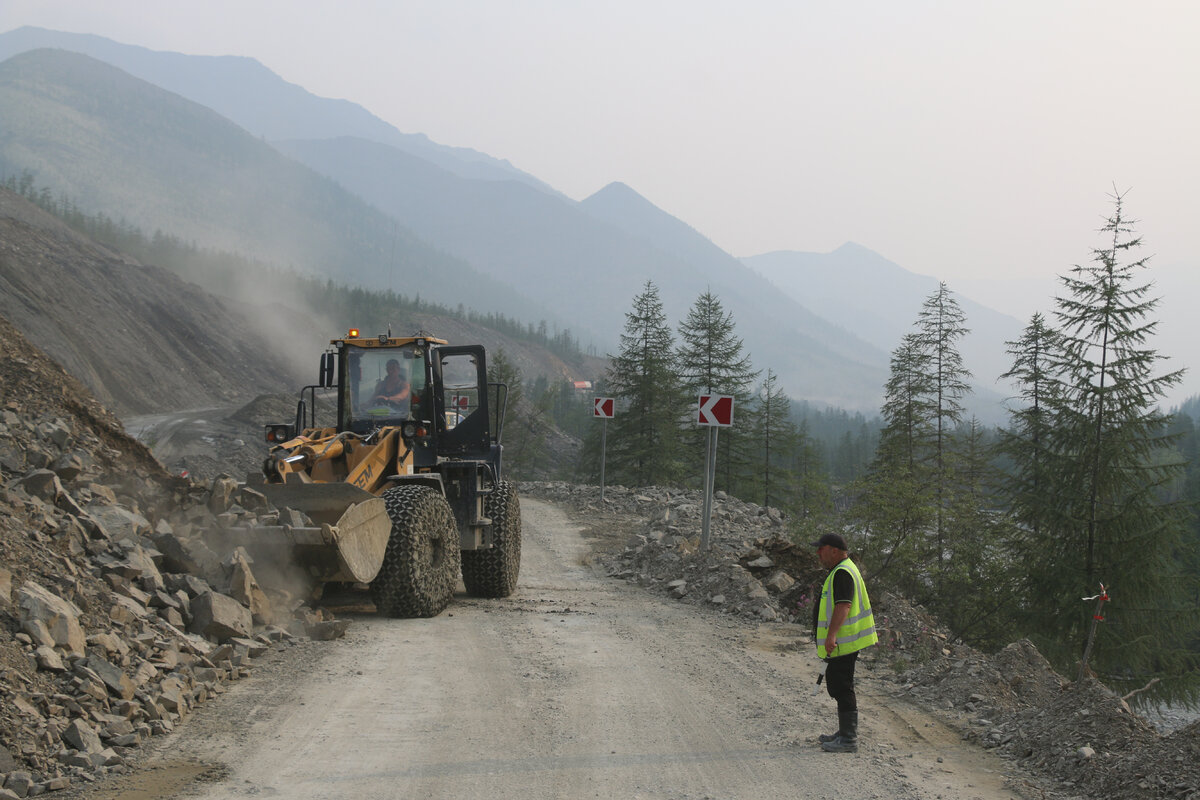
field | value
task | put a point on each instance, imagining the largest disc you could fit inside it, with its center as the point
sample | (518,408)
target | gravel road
(577,686)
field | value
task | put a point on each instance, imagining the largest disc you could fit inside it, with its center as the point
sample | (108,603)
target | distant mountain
(247,93)
(586,261)
(882,299)
(114,144)
(372,209)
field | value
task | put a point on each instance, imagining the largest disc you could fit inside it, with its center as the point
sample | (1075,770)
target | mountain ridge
(274,108)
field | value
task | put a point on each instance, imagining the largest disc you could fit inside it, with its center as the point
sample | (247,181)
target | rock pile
(1078,740)
(117,617)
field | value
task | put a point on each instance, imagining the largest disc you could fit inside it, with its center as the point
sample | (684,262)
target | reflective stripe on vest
(858,631)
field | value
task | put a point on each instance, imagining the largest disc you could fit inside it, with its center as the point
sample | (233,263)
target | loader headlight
(276,434)
(409,430)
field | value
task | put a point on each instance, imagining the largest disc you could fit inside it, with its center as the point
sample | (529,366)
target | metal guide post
(710,474)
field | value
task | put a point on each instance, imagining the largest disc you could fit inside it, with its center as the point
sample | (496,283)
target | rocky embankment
(117,617)
(1073,739)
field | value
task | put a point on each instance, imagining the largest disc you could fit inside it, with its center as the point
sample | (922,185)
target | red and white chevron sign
(603,408)
(715,409)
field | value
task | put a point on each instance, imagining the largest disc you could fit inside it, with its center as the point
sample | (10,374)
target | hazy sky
(974,141)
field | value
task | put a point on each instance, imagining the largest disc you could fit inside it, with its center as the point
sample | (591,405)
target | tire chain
(493,573)
(421,563)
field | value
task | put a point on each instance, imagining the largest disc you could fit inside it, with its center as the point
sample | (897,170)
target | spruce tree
(1025,443)
(895,500)
(941,324)
(711,361)
(1105,519)
(774,438)
(644,437)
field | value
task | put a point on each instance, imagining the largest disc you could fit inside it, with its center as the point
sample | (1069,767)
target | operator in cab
(394,388)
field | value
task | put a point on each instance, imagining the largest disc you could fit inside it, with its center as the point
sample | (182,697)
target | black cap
(831,539)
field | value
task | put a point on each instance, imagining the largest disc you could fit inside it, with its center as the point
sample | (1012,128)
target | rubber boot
(846,739)
(828,737)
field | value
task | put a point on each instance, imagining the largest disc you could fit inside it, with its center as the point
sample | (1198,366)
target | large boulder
(41,610)
(83,737)
(41,483)
(245,589)
(119,523)
(219,617)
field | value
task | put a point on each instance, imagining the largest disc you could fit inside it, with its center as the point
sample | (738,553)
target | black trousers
(839,682)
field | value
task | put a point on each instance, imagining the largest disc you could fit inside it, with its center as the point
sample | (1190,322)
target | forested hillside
(139,154)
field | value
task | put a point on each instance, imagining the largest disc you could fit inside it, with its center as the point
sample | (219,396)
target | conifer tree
(941,324)
(644,437)
(1025,443)
(895,499)
(775,439)
(711,361)
(1107,447)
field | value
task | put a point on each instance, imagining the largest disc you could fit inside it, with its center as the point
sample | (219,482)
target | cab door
(461,401)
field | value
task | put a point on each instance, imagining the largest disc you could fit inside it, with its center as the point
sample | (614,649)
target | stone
(245,589)
(7,762)
(779,582)
(82,737)
(252,500)
(119,523)
(1085,753)
(327,630)
(219,617)
(253,648)
(102,493)
(762,562)
(126,609)
(112,645)
(5,588)
(118,683)
(221,496)
(48,659)
(42,484)
(60,617)
(19,783)
(186,556)
(67,467)
(139,565)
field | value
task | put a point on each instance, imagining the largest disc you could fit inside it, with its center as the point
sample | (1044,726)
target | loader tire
(421,563)
(493,573)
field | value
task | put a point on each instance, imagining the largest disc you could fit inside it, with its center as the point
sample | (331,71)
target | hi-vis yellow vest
(858,631)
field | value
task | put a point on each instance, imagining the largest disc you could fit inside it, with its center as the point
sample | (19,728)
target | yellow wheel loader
(405,488)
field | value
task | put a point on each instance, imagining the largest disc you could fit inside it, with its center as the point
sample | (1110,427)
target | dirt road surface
(577,686)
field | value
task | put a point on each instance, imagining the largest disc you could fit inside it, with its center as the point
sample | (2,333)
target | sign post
(715,411)
(603,407)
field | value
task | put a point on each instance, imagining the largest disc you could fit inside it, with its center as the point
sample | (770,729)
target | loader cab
(447,400)
(382,385)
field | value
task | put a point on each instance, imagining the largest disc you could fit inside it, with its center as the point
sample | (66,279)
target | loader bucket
(347,544)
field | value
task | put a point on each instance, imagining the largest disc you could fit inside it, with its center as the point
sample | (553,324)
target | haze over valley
(225,154)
